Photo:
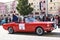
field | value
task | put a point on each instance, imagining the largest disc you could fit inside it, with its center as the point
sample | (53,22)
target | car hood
(42,22)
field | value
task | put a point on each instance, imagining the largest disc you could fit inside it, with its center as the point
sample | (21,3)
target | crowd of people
(55,18)
(7,19)
(44,18)
(31,18)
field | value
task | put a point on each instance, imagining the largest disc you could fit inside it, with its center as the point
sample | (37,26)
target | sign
(22,26)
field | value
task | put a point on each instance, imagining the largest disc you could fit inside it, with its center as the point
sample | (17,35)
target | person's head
(51,16)
(1,15)
(30,15)
(56,16)
(13,14)
(37,18)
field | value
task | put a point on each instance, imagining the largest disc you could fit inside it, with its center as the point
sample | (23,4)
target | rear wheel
(39,31)
(10,30)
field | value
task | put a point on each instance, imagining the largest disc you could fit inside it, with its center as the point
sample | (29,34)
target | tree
(23,7)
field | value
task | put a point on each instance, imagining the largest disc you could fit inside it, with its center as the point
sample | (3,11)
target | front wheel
(39,31)
(10,30)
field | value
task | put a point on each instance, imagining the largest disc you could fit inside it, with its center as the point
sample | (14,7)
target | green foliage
(23,7)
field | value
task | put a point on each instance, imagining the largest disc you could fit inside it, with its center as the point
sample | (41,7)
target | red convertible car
(38,27)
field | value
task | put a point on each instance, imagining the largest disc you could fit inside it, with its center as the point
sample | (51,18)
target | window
(1,15)
(44,2)
(50,0)
(41,1)
(43,12)
(14,11)
(11,12)
(44,9)
(4,15)
(8,14)
(50,7)
(31,3)
(36,12)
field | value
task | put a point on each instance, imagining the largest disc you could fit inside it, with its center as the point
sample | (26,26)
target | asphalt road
(4,35)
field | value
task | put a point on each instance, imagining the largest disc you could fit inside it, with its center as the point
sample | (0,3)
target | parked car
(38,27)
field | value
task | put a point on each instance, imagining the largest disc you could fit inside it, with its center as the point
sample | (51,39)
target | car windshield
(28,19)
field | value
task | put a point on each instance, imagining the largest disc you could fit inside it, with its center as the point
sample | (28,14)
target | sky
(6,1)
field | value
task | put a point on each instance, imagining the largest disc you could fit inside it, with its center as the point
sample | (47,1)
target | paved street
(55,35)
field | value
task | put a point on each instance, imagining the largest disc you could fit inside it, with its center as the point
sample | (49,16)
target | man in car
(30,18)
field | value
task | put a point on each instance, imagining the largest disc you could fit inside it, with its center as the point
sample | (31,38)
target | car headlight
(48,25)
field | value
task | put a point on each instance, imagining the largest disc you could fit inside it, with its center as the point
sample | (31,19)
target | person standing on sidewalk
(56,21)
(59,21)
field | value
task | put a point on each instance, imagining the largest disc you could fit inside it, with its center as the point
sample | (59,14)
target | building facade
(46,6)
(11,7)
(35,6)
(3,8)
(53,7)
(39,6)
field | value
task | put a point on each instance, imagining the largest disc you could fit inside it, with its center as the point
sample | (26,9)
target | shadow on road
(53,34)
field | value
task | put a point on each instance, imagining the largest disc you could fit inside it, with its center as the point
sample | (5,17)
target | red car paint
(29,27)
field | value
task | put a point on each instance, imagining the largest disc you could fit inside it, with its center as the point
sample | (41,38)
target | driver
(30,18)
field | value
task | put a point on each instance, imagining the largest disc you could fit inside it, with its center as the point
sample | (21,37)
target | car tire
(39,31)
(10,30)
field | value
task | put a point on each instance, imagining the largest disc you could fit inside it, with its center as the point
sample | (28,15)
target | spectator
(56,21)
(0,20)
(51,18)
(47,19)
(44,18)
(6,19)
(15,18)
(3,21)
(9,19)
(38,18)
(41,17)
(1,17)
(59,21)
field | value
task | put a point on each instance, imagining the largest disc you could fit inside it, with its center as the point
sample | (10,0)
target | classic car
(37,27)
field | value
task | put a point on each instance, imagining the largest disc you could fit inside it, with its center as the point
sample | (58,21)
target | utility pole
(46,7)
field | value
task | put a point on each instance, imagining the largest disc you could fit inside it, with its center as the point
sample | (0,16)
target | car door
(22,26)
(26,27)
(29,27)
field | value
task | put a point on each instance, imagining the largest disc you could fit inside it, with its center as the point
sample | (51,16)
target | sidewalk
(57,30)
